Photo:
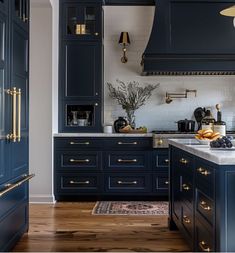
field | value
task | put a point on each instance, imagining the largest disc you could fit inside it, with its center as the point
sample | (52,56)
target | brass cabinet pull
(183,161)
(166,160)
(127,183)
(96,34)
(127,143)
(11,187)
(203,172)
(127,161)
(19,116)
(16,127)
(185,187)
(80,143)
(186,219)
(79,161)
(80,182)
(204,247)
(167,183)
(159,142)
(204,206)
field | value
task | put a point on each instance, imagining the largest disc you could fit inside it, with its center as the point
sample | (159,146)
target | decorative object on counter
(124,41)
(74,118)
(131,208)
(208,121)
(129,130)
(199,114)
(224,143)
(131,97)
(172,95)
(219,125)
(206,136)
(108,129)
(229,12)
(119,123)
(186,126)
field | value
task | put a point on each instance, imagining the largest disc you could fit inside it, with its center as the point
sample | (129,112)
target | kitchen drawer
(161,184)
(78,143)
(204,238)
(13,198)
(161,159)
(128,183)
(185,162)
(13,226)
(205,177)
(79,183)
(187,190)
(205,207)
(129,143)
(187,220)
(127,161)
(75,161)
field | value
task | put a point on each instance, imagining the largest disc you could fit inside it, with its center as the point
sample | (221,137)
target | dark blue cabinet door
(81,73)
(19,79)
(3,97)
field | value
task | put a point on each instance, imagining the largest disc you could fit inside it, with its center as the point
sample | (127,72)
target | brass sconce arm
(170,96)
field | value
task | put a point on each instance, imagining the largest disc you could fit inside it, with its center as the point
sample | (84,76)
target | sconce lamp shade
(124,38)
(229,12)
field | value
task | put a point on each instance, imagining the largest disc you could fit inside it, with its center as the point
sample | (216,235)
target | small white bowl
(204,142)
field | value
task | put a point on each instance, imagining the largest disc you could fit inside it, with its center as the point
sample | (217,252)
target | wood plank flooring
(70,227)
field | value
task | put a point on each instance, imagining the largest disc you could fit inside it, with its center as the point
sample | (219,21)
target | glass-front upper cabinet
(82,21)
(22,10)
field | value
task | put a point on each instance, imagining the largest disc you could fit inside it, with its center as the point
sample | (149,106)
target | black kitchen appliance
(186,126)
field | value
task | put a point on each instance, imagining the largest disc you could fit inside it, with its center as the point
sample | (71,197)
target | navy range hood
(190,37)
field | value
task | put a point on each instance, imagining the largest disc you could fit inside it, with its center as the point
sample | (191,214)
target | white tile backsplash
(156,114)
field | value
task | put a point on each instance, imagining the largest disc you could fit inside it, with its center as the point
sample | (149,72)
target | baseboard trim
(41,199)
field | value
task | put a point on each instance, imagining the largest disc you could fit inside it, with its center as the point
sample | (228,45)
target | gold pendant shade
(229,12)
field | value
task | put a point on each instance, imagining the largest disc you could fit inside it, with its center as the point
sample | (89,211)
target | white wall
(156,114)
(40,144)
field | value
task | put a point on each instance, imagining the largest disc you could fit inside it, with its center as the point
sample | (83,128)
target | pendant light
(229,12)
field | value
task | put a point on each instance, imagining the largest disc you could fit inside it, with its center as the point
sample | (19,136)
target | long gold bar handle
(12,136)
(11,187)
(14,115)
(19,116)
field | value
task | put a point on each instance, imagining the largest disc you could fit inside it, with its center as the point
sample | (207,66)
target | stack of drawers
(122,166)
(205,206)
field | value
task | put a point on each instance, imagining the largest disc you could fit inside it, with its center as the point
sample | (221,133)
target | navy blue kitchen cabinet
(109,167)
(202,202)
(14,171)
(160,171)
(81,66)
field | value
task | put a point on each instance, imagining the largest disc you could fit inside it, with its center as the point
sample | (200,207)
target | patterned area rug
(130,208)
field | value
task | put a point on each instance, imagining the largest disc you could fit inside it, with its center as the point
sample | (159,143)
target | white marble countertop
(101,135)
(193,147)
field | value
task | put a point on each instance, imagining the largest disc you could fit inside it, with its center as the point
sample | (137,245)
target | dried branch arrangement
(131,96)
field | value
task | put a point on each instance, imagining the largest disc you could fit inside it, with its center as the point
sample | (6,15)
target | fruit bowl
(204,142)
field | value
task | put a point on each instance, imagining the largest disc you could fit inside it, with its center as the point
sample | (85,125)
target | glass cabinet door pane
(2,40)
(89,20)
(22,10)
(71,20)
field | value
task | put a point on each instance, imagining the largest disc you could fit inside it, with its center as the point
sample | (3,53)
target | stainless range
(160,138)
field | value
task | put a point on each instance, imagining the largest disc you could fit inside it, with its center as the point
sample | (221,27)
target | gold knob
(96,104)
(96,34)
(183,161)
(159,142)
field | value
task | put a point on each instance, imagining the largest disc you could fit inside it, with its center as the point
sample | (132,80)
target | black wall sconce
(124,41)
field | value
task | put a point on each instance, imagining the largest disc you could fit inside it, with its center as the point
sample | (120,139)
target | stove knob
(159,142)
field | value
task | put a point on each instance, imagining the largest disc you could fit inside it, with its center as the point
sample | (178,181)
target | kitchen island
(202,195)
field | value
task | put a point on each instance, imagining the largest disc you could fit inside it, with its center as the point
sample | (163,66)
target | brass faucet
(170,96)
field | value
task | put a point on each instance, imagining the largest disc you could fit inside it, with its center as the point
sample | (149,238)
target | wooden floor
(71,227)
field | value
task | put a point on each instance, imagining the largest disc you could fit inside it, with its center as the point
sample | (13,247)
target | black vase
(119,123)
